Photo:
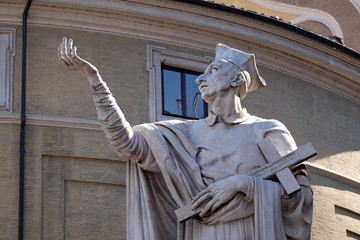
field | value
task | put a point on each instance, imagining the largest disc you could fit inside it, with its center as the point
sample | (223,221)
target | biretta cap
(245,62)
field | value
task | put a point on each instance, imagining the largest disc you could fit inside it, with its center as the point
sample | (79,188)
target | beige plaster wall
(336,209)
(75,185)
(9,158)
(120,60)
(9,180)
(312,114)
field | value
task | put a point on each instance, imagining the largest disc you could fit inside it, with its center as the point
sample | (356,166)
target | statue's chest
(227,150)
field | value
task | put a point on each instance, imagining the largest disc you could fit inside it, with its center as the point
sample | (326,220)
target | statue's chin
(206,99)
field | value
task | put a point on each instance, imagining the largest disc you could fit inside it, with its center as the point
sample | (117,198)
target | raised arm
(127,143)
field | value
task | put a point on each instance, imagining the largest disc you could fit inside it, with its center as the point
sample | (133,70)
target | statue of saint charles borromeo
(205,163)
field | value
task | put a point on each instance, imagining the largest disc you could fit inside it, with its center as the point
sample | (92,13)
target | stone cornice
(333,175)
(51,121)
(201,27)
(306,14)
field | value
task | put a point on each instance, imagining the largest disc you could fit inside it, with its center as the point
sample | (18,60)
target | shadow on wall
(312,114)
(336,208)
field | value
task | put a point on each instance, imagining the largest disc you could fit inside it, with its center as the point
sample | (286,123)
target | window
(180,94)
(177,96)
(7,53)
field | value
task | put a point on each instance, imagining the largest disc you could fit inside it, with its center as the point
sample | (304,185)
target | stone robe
(174,160)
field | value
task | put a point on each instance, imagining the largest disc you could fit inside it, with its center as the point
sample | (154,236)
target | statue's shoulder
(180,125)
(266,123)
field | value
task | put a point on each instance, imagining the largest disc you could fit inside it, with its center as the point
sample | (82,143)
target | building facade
(75,185)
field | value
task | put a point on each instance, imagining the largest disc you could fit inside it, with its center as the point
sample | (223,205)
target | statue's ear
(241,82)
(239,79)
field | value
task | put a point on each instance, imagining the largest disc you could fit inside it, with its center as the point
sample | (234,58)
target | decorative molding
(63,122)
(59,172)
(306,14)
(333,175)
(347,219)
(52,121)
(7,53)
(197,27)
(356,4)
(330,23)
(9,118)
(156,56)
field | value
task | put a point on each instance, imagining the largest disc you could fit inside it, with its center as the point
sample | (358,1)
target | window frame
(7,54)
(158,56)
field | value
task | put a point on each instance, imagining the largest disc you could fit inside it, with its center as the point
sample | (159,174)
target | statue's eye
(213,69)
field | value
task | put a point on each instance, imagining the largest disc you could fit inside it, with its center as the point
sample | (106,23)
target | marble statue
(204,163)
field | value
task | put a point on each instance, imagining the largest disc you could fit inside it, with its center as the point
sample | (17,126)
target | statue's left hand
(221,192)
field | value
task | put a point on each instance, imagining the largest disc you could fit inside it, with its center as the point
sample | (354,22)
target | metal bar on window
(162,88)
(183,101)
(183,94)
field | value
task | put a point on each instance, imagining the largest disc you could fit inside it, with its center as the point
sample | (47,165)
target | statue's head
(232,69)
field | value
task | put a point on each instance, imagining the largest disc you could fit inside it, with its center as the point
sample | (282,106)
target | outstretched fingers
(67,54)
(69,50)
(60,57)
(63,51)
(74,53)
(75,58)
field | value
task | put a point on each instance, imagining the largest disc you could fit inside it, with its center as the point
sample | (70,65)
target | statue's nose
(200,79)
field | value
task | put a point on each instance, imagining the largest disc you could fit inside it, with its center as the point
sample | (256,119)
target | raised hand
(67,54)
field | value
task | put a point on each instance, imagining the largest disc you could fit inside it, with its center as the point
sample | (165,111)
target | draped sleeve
(127,142)
(296,209)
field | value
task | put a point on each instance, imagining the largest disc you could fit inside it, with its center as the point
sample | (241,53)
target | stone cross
(285,176)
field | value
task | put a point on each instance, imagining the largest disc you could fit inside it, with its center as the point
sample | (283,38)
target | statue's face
(216,80)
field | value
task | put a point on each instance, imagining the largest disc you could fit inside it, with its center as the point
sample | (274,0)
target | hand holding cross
(277,165)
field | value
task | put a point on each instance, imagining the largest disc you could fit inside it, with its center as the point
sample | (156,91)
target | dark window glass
(181,96)
(172,92)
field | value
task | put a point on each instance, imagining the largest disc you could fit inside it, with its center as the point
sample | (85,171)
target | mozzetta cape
(153,197)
